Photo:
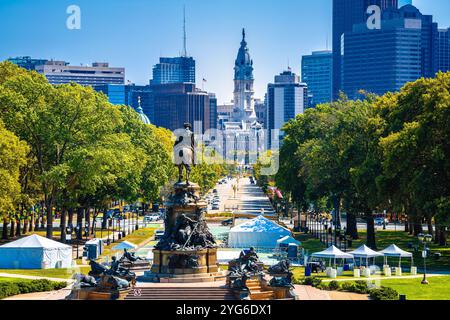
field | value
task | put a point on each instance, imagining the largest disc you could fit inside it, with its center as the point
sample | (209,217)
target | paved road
(250,199)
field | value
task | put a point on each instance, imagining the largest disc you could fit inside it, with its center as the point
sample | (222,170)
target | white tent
(394,251)
(287,240)
(258,232)
(35,252)
(332,253)
(364,252)
(124,245)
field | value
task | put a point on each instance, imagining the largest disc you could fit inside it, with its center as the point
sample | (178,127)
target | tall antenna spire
(184,32)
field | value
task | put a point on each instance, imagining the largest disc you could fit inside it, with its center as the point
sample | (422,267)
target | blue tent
(35,252)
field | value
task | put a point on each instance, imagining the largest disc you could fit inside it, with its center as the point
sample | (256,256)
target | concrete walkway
(419,276)
(21,276)
(250,199)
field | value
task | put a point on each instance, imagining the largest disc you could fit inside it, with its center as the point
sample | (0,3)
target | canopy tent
(35,252)
(394,251)
(124,245)
(364,252)
(287,240)
(258,232)
(332,253)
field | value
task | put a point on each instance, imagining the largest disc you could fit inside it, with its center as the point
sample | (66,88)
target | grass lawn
(437,289)
(384,239)
(50,273)
(6,279)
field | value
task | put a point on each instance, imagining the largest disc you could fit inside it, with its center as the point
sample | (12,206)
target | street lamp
(86,231)
(77,233)
(326,232)
(425,238)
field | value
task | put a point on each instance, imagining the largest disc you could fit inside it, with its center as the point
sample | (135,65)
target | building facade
(347,13)
(286,98)
(60,72)
(317,73)
(212,110)
(27,62)
(174,70)
(443,50)
(379,61)
(177,103)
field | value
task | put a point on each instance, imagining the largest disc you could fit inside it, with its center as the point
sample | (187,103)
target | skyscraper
(60,72)
(286,98)
(347,13)
(174,70)
(317,73)
(384,60)
(131,95)
(177,103)
(27,62)
(443,50)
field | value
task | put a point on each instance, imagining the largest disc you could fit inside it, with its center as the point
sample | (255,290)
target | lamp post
(425,238)
(326,233)
(77,232)
(86,231)
(113,239)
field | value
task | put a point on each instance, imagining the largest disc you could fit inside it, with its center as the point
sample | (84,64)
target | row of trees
(381,153)
(67,147)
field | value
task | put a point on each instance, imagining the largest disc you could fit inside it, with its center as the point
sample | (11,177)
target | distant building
(443,50)
(224,114)
(177,103)
(260,110)
(347,13)
(60,72)
(317,73)
(286,98)
(379,61)
(174,70)
(27,62)
(130,95)
(212,111)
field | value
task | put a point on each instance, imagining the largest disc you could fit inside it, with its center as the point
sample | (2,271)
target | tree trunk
(430,224)
(418,229)
(5,230)
(12,230)
(80,213)
(63,225)
(406,225)
(70,220)
(352,227)
(18,228)
(371,240)
(32,221)
(337,210)
(442,236)
(49,229)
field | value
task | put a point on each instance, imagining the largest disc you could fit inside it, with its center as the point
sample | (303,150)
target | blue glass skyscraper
(347,13)
(379,61)
(443,50)
(317,70)
(174,70)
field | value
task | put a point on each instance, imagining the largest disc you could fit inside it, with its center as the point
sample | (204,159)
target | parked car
(152,217)
(379,221)
(159,234)
(227,222)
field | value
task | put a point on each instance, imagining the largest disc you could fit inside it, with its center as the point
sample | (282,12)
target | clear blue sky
(134,33)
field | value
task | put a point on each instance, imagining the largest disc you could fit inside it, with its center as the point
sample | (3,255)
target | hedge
(12,288)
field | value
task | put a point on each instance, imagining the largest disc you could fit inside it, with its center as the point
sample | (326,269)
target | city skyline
(109,33)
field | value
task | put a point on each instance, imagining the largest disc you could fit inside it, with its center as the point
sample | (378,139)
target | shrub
(8,289)
(348,286)
(312,281)
(334,285)
(361,287)
(384,293)
(323,286)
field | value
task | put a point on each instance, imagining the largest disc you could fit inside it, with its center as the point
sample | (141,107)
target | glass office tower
(174,70)
(317,71)
(347,13)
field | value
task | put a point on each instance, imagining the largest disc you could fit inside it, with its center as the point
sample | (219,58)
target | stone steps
(182,294)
